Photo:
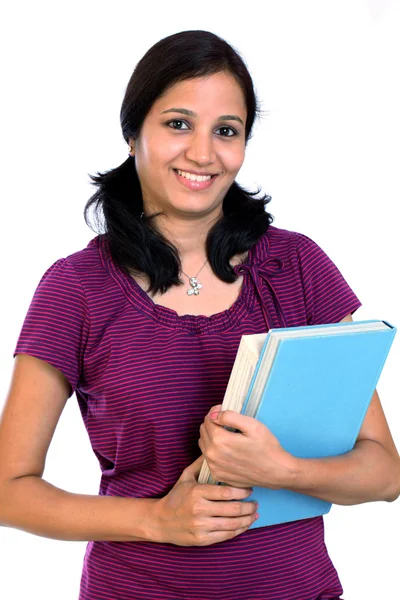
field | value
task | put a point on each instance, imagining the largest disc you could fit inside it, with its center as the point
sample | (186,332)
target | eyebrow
(190,113)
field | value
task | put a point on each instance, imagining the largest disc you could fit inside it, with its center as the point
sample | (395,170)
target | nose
(201,149)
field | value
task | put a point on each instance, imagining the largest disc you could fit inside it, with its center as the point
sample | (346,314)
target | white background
(326,149)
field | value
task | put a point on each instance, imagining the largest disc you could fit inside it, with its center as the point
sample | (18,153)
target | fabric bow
(262,273)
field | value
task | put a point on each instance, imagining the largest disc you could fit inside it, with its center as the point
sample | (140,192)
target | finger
(232,524)
(215,537)
(205,434)
(193,470)
(231,509)
(223,492)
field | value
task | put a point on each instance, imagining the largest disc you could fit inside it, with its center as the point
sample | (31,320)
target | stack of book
(311,386)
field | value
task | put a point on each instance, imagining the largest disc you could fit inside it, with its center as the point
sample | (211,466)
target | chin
(198,211)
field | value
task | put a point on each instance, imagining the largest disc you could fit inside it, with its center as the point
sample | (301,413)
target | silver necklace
(196,286)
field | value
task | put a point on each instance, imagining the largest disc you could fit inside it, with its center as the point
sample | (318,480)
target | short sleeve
(56,326)
(328,297)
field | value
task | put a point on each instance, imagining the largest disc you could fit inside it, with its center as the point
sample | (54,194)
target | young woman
(143,325)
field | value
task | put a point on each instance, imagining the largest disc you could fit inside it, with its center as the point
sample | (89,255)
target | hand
(194,514)
(253,457)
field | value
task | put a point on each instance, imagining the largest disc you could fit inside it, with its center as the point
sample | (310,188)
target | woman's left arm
(369,472)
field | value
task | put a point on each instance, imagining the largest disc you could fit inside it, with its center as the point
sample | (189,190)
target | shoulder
(88,267)
(79,261)
(286,244)
(100,280)
(299,254)
(79,278)
(277,235)
(87,258)
(309,274)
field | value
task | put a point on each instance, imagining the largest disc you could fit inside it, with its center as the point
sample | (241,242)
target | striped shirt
(145,378)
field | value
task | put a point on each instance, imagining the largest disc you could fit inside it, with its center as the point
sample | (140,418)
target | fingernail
(214,415)
(256,516)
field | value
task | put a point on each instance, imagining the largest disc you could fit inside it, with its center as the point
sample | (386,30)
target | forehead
(216,93)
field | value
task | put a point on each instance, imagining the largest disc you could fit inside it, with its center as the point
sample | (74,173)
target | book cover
(317,393)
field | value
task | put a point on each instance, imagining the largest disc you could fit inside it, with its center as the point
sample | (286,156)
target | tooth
(193,177)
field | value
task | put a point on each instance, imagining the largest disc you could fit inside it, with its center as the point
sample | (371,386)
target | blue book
(311,386)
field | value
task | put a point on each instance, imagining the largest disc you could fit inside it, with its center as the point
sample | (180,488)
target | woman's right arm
(191,514)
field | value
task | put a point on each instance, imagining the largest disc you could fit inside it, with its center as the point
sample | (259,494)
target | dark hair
(135,243)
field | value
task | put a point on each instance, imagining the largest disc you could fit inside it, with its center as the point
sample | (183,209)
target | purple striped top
(145,378)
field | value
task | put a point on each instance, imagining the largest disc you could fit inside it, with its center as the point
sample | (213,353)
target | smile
(194,182)
(192,176)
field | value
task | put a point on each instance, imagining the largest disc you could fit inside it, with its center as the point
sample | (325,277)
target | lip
(195,185)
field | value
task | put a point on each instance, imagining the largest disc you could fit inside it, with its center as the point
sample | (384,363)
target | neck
(188,236)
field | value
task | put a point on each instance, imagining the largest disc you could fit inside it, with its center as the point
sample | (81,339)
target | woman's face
(196,128)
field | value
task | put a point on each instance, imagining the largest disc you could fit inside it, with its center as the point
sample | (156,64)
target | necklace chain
(204,264)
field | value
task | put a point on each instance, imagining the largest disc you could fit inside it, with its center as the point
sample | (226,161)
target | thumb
(233,420)
(215,409)
(192,471)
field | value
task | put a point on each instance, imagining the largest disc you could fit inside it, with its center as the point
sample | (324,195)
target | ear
(132,146)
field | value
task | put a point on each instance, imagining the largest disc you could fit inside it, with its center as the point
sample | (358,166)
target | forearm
(365,474)
(34,505)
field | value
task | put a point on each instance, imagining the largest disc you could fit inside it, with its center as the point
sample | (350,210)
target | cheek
(234,160)
(147,164)
(161,153)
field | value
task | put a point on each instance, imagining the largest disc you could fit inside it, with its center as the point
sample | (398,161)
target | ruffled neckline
(194,324)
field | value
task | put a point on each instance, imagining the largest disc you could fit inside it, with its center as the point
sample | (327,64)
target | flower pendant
(195,287)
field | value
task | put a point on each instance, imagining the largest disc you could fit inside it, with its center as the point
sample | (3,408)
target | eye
(177,122)
(226,128)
